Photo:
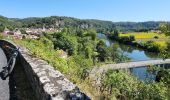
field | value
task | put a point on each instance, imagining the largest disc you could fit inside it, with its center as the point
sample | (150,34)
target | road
(4,87)
(15,87)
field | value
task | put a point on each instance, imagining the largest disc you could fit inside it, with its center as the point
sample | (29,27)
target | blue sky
(113,10)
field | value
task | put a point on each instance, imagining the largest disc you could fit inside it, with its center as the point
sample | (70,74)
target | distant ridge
(63,21)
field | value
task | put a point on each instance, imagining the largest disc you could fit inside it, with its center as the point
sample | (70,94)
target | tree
(165,28)
(80,32)
(92,33)
(23,31)
(101,49)
(11,28)
(2,27)
(113,34)
(65,42)
(132,38)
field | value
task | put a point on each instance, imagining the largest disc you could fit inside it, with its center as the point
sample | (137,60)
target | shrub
(65,42)
(1,36)
(132,38)
(152,46)
(123,86)
(155,37)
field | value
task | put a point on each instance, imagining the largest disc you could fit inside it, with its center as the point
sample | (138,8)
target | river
(135,54)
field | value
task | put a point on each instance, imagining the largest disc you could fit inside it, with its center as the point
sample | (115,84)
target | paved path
(4,87)
(16,87)
(105,68)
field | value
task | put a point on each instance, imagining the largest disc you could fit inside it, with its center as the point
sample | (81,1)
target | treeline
(63,22)
(137,26)
(8,23)
(67,22)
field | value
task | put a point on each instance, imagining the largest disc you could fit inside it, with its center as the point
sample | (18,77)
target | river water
(135,54)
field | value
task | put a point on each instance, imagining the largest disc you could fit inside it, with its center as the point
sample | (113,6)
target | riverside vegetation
(84,51)
(153,42)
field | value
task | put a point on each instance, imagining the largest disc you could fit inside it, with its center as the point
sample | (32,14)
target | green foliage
(47,35)
(153,47)
(126,39)
(165,28)
(65,42)
(76,67)
(11,28)
(79,66)
(83,48)
(155,37)
(131,38)
(2,27)
(125,85)
(122,85)
(153,91)
(163,75)
(1,36)
(80,33)
(113,33)
(9,23)
(92,33)
(101,49)
(88,52)
(62,22)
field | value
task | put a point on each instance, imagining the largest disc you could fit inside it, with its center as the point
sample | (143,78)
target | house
(6,31)
(155,31)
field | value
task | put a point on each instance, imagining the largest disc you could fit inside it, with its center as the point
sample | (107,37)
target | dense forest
(62,22)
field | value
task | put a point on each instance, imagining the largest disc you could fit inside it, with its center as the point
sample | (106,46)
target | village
(28,33)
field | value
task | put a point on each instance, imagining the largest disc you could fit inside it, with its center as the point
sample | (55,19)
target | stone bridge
(34,79)
(104,68)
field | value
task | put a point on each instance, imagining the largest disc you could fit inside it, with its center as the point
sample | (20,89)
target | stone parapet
(47,83)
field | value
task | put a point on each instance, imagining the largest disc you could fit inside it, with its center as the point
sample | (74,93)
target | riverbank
(150,46)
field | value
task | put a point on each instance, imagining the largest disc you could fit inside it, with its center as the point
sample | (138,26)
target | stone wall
(47,83)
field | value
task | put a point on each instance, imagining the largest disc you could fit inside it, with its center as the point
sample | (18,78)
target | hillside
(58,21)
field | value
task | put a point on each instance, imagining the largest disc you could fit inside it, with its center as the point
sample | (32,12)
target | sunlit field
(158,38)
(145,35)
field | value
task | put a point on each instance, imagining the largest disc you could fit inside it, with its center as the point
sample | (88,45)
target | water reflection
(134,53)
(143,73)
